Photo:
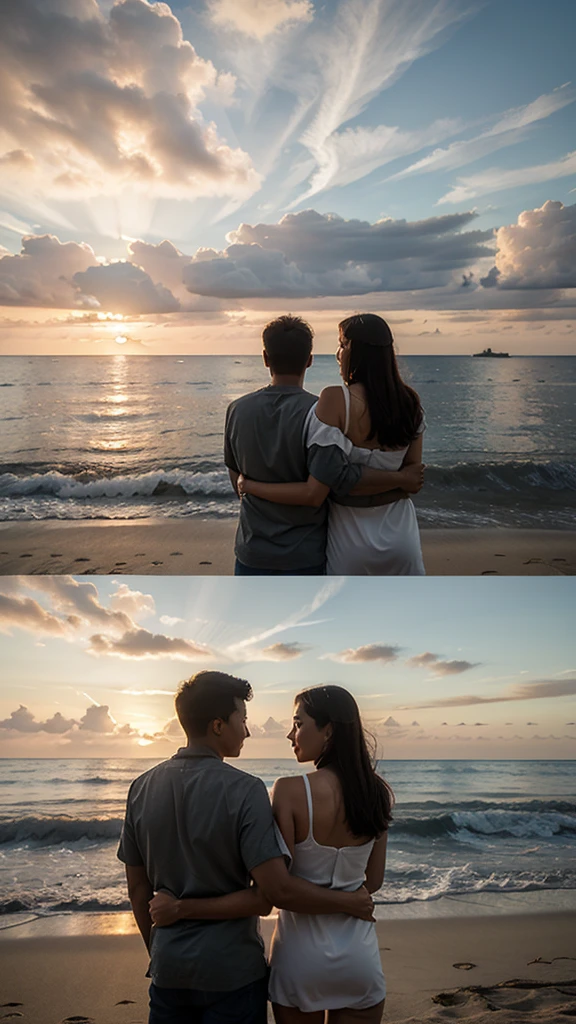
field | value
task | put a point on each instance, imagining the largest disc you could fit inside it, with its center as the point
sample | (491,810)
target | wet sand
(463,968)
(199,547)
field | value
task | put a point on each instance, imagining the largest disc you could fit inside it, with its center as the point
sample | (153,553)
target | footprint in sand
(56,554)
(77,1020)
(157,563)
(15,1013)
(140,554)
(532,561)
(204,563)
(82,559)
(124,1002)
(490,572)
(174,553)
(120,563)
(25,556)
(464,966)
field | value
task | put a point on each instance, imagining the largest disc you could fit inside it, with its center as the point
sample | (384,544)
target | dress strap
(347,407)
(309,802)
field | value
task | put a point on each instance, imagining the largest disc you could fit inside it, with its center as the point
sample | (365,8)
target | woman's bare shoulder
(287,788)
(330,408)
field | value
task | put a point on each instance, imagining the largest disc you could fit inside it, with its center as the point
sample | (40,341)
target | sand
(204,547)
(438,970)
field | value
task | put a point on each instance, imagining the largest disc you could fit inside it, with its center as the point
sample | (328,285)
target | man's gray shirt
(265,439)
(200,826)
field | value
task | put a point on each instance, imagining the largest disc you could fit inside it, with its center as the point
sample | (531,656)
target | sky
(205,166)
(441,668)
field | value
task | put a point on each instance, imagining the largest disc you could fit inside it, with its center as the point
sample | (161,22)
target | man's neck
(292,380)
(204,741)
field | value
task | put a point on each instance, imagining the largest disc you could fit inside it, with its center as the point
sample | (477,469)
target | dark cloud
(140,643)
(284,651)
(439,667)
(312,254)
(541,690)
(367,653)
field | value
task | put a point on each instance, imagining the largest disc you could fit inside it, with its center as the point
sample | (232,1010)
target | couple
(360,443)
(203,836)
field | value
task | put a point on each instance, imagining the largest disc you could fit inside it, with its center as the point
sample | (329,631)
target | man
(265,439)
(197,827)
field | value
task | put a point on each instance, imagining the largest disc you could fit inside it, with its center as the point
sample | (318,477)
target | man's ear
(265,358)
(310,361)
(217,726)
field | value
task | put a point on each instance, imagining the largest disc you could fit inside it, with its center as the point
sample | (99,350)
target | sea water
(126,437)
(459,827)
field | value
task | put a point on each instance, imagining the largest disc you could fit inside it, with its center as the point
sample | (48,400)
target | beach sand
(204,547)
(523,965)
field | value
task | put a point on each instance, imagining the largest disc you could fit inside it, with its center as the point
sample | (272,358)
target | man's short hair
(288,344)
(206,696)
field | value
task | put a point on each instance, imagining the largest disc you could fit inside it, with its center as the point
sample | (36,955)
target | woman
(334,824)
(377,421)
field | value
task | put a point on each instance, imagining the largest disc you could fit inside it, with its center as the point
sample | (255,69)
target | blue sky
(208,164)
(440,668)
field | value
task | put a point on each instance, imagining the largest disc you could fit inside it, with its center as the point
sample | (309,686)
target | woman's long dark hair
(369,359)
(368,800)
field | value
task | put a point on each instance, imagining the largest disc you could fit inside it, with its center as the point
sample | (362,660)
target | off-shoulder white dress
(326,961)
(382,540)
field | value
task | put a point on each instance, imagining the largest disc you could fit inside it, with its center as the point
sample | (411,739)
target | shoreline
(523,960)
(204,547)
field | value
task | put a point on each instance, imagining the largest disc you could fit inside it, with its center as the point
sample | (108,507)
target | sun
(120,339)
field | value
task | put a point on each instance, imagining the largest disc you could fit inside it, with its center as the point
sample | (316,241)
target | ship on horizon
(489,354)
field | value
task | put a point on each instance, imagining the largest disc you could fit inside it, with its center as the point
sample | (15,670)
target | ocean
(124,437)
(460,827)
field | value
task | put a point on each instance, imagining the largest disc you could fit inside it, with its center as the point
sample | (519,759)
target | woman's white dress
(326,961)
(382,540)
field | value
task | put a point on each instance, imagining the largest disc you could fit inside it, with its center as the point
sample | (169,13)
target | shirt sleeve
(229,457)
(329,456)
(128,850)
(258,842)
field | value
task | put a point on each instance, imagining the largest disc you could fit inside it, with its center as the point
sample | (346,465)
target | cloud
(539,251)
(43,273)
(97,718)
(497,179)
(170,620)
(439,667)
(123,287)
(259,18)
(25,613)
(23,720)
(510,128)
(541,690)
(271,729)
(140,643)
(132,602)
(106,99)
(80,600)
(313,254)
(361,50)
(283,651)
(370,652)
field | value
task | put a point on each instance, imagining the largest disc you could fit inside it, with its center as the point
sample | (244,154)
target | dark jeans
(247,570)
(247,1005)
